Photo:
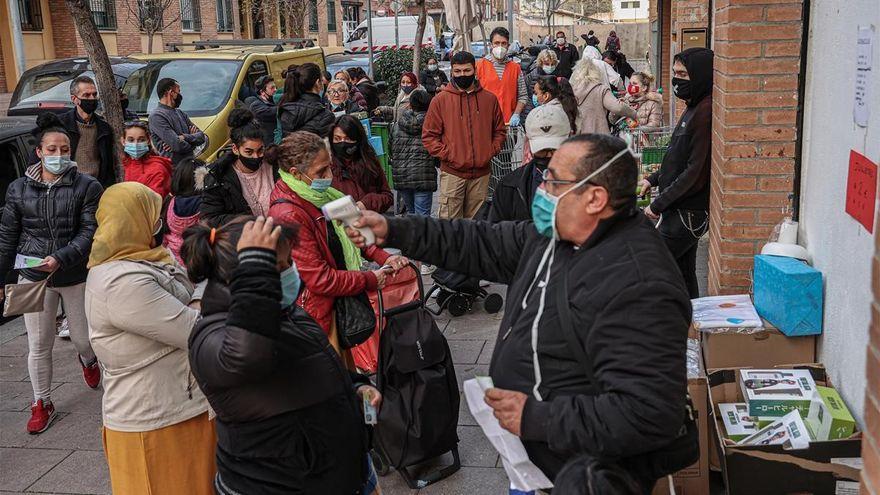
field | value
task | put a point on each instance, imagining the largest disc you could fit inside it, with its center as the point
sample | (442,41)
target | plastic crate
(382,131)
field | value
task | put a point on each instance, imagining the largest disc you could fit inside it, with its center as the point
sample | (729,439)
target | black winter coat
(105,143)
(412,166)
(308,113)
(59,220)
(288,418)
(512,200)
(433,81)
(267,115)
(630,311)
(222,198)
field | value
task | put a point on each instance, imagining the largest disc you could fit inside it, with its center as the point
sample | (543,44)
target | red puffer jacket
(322,280)
(151,170)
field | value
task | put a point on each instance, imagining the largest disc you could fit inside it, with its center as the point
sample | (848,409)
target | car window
(205,85)
(256,70)
(358,34)
(11,165)
(53,86)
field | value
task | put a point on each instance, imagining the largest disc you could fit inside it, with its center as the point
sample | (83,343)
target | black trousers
(682,229)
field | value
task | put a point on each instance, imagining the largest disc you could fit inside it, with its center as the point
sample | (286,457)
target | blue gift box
(376,141)
(788,294)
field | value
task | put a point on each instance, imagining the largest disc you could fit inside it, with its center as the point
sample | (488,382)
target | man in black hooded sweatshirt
(683,178)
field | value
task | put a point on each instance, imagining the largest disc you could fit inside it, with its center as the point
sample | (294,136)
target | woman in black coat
(302,107)
(288,414)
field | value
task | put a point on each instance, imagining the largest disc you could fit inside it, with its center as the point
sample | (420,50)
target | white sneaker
(427,269)
(62,329)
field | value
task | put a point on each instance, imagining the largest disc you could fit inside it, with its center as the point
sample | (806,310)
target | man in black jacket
(264,108)
(567,54)
(593,261)
(683,177)
(546,128)
(91,137)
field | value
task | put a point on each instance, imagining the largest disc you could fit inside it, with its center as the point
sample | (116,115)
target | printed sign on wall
(861,189)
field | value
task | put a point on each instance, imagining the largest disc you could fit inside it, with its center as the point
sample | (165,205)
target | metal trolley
(508,159)
(650,144)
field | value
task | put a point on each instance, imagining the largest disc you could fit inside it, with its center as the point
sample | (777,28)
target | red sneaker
(42,415)
(91,373)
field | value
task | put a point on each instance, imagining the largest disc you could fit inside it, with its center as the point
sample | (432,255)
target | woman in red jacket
(140,163)
(356,168)
(328,262)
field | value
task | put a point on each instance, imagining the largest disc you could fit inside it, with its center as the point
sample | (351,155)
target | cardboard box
(788,293)
(829,418)
(770,469)
(788,431)
(693,480)
(776,392)
(738,425)
(766,348)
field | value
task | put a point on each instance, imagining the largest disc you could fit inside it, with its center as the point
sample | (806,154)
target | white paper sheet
(864,54)
(523,474)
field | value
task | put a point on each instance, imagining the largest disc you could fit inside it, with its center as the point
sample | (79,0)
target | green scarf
(353,260)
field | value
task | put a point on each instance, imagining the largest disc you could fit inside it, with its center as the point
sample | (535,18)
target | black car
(47,86)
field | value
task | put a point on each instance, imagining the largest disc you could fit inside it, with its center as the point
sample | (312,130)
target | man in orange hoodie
(464,128)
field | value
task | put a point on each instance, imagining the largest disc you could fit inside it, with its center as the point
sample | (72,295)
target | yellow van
(213,81)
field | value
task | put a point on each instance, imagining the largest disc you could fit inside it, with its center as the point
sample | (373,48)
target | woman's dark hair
(560,89)
(296,151)
(299,81)
(584,475)
(419,100)
(47,123)
(205,260)
(356,73)
(243,127)
(188,177)
(353,128)
(326,75)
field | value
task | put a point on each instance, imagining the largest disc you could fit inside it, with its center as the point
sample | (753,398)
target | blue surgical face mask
(535,101)
(545,205)
(321,185)
(548,69)
(57,164)
(136,150)
(290,284)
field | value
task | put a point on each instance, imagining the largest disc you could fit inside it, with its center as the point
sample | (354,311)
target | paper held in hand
(523,474)
(24,262)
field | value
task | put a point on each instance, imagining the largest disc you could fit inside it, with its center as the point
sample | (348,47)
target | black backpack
(418,420)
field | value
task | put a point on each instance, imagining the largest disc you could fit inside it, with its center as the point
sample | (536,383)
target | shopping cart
(649,144)
(508,159)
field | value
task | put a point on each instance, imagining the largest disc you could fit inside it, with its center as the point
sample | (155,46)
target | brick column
(684,14)
(208,11)
(757,48)
(171,32)
(2,74)
(871,441)
(128,35)
(64,36)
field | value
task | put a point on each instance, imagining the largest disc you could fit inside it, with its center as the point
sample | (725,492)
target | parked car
(47,86)
(383,34)
(343,61)
(213,81)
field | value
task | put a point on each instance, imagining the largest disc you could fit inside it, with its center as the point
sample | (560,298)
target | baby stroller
(418,420)
(457,293)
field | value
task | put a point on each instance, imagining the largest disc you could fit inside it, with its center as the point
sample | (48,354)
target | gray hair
(74,85)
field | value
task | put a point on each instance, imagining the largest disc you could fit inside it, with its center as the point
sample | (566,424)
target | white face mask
(560,41)
(499,52)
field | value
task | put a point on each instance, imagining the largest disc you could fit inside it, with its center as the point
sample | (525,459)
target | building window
(190,17)
(313,15)
(31,15)
(104,13)
(149,16)
(331,16)
(630,5)
(224,16)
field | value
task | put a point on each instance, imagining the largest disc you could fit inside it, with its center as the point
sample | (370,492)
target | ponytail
(299,81)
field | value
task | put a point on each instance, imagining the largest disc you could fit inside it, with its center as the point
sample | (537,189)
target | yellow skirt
(177,459)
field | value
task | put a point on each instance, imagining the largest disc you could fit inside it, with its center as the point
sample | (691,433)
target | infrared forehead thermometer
(346,211)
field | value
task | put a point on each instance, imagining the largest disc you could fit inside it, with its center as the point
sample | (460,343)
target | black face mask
(251,163)
(178,100)
(464,82)
(345,150)
(88,106)
(681,88)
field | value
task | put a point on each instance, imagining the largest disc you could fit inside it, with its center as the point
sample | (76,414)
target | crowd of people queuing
(202,295)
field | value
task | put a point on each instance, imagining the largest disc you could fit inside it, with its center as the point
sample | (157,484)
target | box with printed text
(776,392)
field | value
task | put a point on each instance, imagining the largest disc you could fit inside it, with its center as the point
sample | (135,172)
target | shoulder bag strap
(564,311)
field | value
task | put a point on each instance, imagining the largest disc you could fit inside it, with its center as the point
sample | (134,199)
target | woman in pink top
(182,207)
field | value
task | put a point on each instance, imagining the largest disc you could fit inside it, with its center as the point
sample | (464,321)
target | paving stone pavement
(68,458)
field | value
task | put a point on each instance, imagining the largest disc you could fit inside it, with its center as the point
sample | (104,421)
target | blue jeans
(417,202)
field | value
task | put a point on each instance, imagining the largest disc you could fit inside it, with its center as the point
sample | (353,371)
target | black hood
(699,65)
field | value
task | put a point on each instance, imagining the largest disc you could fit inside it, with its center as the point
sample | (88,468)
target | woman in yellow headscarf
(157,434)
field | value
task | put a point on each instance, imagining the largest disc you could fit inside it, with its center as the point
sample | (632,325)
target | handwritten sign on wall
(861,189)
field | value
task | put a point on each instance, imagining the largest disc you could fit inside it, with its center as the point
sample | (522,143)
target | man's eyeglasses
(547,178)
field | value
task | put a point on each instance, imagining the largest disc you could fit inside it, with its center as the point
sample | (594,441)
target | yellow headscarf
(127,217)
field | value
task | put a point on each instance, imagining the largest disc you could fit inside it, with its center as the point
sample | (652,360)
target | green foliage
(390,64)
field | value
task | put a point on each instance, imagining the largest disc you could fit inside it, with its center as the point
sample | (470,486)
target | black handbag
(355,320)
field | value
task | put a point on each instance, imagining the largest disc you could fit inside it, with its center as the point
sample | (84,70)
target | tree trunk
(100,62)
(150,42)
(420,34)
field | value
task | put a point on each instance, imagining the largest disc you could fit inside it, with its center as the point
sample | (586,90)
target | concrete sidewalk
(68,458)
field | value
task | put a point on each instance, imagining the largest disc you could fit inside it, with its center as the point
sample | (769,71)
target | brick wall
(172,32)
(128,36)
(757,47)
(208,9)
(64,35)
(871,442)
(2,73)
(685,14)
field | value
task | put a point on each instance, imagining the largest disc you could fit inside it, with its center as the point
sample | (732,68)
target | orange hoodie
(464,130)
